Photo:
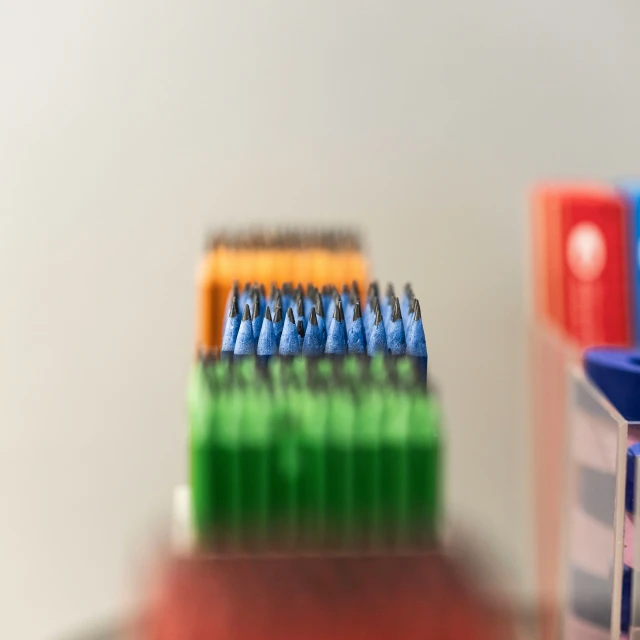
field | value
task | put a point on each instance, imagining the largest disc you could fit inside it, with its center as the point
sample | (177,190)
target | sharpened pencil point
(417,314)
(300,328)
(319,305)
(356,311)
(277,317)
(290,317)
(396,314)
(267,313)
(313,319)
(378,319)
(246,315)
(338,314)
(233,311)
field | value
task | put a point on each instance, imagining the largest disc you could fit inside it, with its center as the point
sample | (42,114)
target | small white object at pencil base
(182,538)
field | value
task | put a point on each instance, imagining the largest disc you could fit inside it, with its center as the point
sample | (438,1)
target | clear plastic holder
(594,516)
(550,358)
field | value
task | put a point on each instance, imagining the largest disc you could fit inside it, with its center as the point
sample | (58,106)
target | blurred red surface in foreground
(403,598)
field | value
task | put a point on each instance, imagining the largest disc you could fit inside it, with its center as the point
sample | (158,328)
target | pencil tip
(390,290)
(278,314)
(378,315)
(256,306)
(320,305)
(247,313)
(267,313)
(300,307)
(396,313)
(300,328)
(356,311)
(290,316)
(417,315)
(233,311)
(313,319)
(338,313)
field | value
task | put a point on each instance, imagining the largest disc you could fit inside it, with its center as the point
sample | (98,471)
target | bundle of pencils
(271,257)
(313,453)
(315,321)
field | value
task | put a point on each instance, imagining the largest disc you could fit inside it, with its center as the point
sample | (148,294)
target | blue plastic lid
(616,372)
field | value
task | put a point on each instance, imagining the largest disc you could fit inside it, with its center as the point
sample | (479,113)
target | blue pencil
(231,330)
(233,293)
(256,323)
(348,310)
(300,312)
(377,341)
(374,310)
(396,342)
(278,321)
(289,341)
(416,341)
(313,344)
(267,345)
(245,342)
(387,312)
(356,340)
(336,336)
(321,319)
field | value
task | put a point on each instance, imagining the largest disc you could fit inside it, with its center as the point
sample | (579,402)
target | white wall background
(128,128)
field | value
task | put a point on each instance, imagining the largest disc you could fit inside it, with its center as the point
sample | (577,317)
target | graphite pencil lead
(290,317)
(256,307)
(246,315)
(320,305)
(338,314)
(356,311)
(396,313)
(267,313)
(300,307)
(417,314)
(233,310)
(278,313)
(300,328)
(313,319)
(378,319)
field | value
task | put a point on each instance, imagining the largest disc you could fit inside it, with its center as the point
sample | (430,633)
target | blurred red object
(363,598)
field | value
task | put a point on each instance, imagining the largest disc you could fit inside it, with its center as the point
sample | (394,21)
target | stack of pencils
(310,454)
(311,423)
(323,257)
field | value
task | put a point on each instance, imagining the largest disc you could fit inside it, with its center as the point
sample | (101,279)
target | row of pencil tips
(286,239)
(315,321)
